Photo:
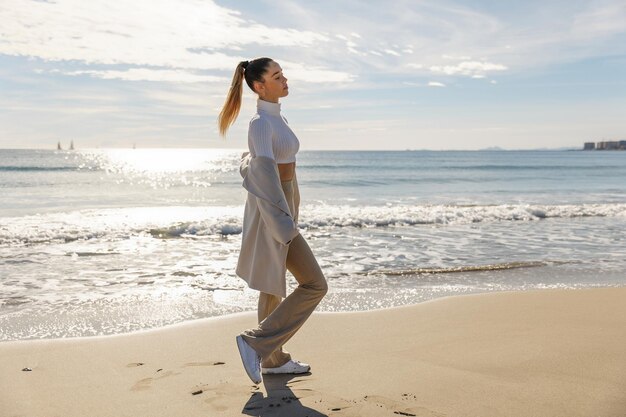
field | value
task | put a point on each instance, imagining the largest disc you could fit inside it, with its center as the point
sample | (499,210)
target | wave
(389,166)
(189,222)
(117,224)
(37,168)
(412,215)
(463,268)
(496,167)
(197,229)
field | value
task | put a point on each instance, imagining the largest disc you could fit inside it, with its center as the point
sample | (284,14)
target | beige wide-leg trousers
(280,320)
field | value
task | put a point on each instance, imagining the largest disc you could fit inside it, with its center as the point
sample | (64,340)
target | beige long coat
(268,226)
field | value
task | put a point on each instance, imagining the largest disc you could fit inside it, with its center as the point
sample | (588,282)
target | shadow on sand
(280,400)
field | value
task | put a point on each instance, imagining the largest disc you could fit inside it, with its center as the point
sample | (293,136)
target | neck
(271,107)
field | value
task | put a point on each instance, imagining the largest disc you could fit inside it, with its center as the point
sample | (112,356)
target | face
(274,84)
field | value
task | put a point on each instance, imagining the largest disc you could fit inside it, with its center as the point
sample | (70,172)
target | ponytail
(250,70)
(232,105)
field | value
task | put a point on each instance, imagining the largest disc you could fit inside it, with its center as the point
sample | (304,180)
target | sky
(362,74)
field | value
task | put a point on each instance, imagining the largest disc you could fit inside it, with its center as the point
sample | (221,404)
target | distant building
(610,145)
(607,145)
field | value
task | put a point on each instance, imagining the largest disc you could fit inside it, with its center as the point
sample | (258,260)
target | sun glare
(162,160)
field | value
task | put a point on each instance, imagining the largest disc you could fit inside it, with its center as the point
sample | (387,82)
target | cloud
(145,74)
(601,19)
(296,72)
(435,84)
(182,36)
(456,58)
(202,39)
(462,38)
(475,69)
(312,73)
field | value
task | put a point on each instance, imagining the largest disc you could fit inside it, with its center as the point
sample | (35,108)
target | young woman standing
(271,242)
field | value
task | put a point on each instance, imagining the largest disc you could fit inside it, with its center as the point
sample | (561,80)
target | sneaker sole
(241,348)
(276,373)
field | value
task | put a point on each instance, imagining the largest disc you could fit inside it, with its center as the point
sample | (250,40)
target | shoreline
(541,352)
(202,320)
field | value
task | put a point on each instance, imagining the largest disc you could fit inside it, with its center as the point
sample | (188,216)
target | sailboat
(71,145)
(59,146)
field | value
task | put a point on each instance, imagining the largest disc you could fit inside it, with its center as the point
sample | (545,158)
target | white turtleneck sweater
(269,134)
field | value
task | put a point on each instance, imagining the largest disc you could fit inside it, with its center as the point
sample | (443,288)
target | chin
(285,93)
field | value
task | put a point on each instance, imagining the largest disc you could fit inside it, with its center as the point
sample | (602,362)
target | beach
(455,189)
(552,352)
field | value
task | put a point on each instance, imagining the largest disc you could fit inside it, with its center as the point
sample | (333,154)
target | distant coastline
(613,145)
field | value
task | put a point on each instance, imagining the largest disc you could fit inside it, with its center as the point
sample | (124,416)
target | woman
(271,242)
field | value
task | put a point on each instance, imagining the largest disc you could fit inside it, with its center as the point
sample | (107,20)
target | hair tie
(244,64)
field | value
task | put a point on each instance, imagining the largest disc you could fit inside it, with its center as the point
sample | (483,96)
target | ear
(258,87)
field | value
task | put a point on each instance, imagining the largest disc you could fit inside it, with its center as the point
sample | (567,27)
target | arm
(243,163)
(260,137)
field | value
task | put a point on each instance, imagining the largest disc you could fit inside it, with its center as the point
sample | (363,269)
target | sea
(107,241)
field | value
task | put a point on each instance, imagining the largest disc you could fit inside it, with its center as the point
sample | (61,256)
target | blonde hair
(251,71)
(232,105)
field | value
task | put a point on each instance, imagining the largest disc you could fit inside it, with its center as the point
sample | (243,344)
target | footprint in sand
(219,396)
(134,364)
(204,364)
(145,383)
(406,407)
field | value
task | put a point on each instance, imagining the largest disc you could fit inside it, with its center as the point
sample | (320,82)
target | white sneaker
(251,360)
(291,367)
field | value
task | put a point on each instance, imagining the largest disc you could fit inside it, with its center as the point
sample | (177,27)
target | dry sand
(533,353)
